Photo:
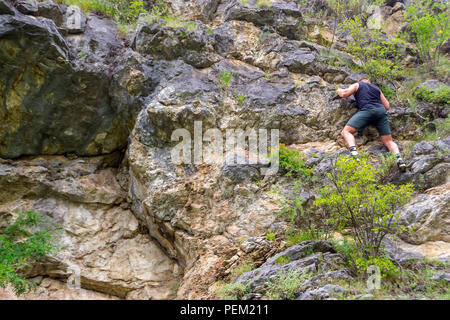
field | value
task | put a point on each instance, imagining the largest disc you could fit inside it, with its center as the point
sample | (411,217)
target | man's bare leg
(348,135)
(390,144)
(393,147)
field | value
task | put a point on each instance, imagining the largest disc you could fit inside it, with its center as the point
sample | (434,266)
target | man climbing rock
(372,110)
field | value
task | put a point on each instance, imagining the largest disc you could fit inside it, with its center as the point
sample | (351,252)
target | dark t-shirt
(368,96)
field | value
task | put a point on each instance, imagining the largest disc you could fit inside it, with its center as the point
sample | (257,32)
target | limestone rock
(52,103)
(100,238)
(27,6)
(282,16)
(6,7)
(429,213)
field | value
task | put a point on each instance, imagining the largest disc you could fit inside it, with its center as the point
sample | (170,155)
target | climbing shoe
(353,153)
(401,165)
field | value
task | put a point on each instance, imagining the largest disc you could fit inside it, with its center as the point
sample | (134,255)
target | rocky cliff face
(85,138)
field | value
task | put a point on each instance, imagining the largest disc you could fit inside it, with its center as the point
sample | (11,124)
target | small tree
(379,57)
(27,239)
(356,201)
(429,22)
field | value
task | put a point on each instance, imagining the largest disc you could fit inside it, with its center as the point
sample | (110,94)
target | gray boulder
(6,7)
(55,90)
(429,214)
(303,257)
(323,293)
(75,20)
(27,6)
(431,85)
(280,16)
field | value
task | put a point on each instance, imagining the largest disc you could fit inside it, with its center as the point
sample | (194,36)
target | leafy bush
(270,236)
(123,11)
(26,240)
(233,291)
(387,268)
(379,57)
(296,236)
(440,95)
(292,161)
(314,225)
(263,3)
(225,79)
(240,99)
(442,130)
(388,161)
(285,284)
(282,260)
(357,201)
(428,20)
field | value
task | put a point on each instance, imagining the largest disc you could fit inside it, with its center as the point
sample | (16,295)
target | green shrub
(297,236)
(270,236)
(240,100)
(233,291)
(357,201)
(263,3)
(388,92)
(26,240)
(285,284)
(123,11)
(428,20)
(380,58)
(282,260)
(292,161)
(440,96)
(442,130)
(387,162)
(387,268)
(225,79)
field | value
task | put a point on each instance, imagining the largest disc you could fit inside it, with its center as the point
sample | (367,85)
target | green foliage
(285,284)
(429,22)
(379,57)
(357,201)
(240,100)
(123,11)
(282,260)
(292,160)
(225,79)
(26,240)
(291,209)
(344,247)
(387,162)
(270,236)
(388,92)
(442,130)
(387,268)
(160,14)
(233,291)
(297,236)
(263,3)
(440,95)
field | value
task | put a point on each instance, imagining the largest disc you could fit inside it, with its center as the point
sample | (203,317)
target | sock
(353,151)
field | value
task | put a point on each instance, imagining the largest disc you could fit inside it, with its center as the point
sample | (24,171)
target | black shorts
(373,116)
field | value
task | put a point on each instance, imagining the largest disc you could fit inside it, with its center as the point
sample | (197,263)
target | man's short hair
(364,78)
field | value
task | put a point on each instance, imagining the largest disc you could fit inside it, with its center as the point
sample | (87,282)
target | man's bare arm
(385,101)
(345,93)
